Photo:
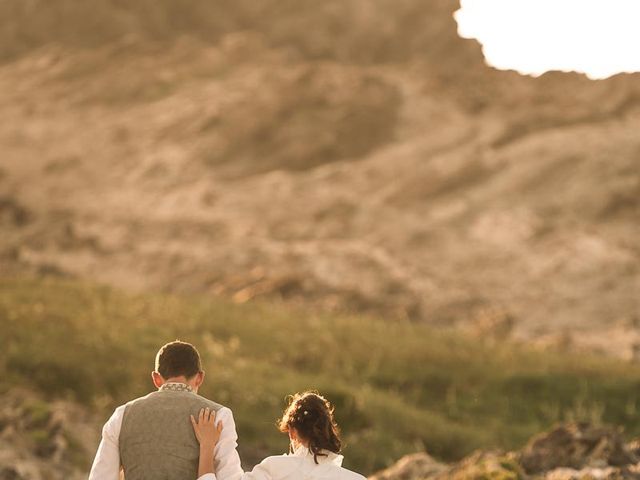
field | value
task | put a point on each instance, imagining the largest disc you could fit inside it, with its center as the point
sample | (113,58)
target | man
(151,438)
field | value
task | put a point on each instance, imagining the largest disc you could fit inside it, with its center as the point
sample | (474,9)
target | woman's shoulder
(346,474)
(285,464)
(354,476)
(279,458)
(280,462)
(333,471)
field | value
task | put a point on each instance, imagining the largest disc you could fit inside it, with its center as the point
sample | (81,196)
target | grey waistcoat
(157,440)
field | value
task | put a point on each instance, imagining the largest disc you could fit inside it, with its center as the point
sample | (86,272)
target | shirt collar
(331,457)
(176,387)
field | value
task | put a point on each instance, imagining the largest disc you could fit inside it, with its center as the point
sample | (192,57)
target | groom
(151,438)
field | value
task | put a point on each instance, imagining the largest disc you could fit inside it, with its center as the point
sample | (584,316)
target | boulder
(607,473)
(576,446)
(573,451)
(42,439)
(486,466)
(417,466)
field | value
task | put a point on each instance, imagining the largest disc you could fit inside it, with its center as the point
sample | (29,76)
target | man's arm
(226,458)
(106,464)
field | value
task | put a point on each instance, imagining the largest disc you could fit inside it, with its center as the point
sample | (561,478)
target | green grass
(398,387)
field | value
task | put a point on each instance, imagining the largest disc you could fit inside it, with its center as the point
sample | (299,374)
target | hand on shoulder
(205,429)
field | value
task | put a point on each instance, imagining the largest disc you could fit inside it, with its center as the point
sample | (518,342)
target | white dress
(299,466)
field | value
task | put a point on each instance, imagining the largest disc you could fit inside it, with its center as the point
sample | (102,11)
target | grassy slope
(397,387)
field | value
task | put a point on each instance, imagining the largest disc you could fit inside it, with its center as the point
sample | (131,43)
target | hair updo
(311,415)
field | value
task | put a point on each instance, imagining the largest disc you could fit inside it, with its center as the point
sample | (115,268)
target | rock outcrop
(418,465)
(345,154)
(43,441)
(485,466)
(576,451)
(576,446)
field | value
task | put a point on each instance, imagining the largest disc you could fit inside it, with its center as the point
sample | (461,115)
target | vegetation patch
(398,387)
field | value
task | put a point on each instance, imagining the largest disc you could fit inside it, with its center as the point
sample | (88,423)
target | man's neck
(182,380)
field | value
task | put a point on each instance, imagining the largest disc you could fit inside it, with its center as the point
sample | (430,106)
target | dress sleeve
(259,472)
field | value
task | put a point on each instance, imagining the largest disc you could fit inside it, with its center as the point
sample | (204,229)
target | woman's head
(309,418)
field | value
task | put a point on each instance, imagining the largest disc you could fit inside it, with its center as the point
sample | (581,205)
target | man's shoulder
(134,401)
(179,402)
(182,397)
(206,402)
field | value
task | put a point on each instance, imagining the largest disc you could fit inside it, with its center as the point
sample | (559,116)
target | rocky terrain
(354,155)
(44,440)
(568,452)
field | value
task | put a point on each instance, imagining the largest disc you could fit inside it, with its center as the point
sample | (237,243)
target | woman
(314,444)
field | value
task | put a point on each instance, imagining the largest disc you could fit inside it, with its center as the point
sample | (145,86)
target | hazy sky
(597,37)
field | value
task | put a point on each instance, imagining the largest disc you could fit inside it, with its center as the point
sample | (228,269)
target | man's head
(178,362)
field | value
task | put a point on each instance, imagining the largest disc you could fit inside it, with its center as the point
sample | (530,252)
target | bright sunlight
(599,38)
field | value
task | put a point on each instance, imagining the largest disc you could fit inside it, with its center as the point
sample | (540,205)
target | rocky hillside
(568,452)
(44,440)
(83,349)
(351,155)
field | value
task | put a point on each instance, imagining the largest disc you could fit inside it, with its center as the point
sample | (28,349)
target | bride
(315,444)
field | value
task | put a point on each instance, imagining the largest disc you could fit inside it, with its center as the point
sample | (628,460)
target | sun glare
(599,38)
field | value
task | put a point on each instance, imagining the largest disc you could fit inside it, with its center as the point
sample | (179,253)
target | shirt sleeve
(227,461)
(259,472)
(106,464)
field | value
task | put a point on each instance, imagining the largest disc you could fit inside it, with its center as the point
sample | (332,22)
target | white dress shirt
(297,466)
(106,465)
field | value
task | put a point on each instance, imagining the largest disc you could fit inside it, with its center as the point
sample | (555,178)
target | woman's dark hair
(311,415)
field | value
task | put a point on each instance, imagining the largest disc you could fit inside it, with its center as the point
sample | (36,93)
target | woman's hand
(206,431)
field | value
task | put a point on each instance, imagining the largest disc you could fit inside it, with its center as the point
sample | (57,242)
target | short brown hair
(312,416)
(177,359)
